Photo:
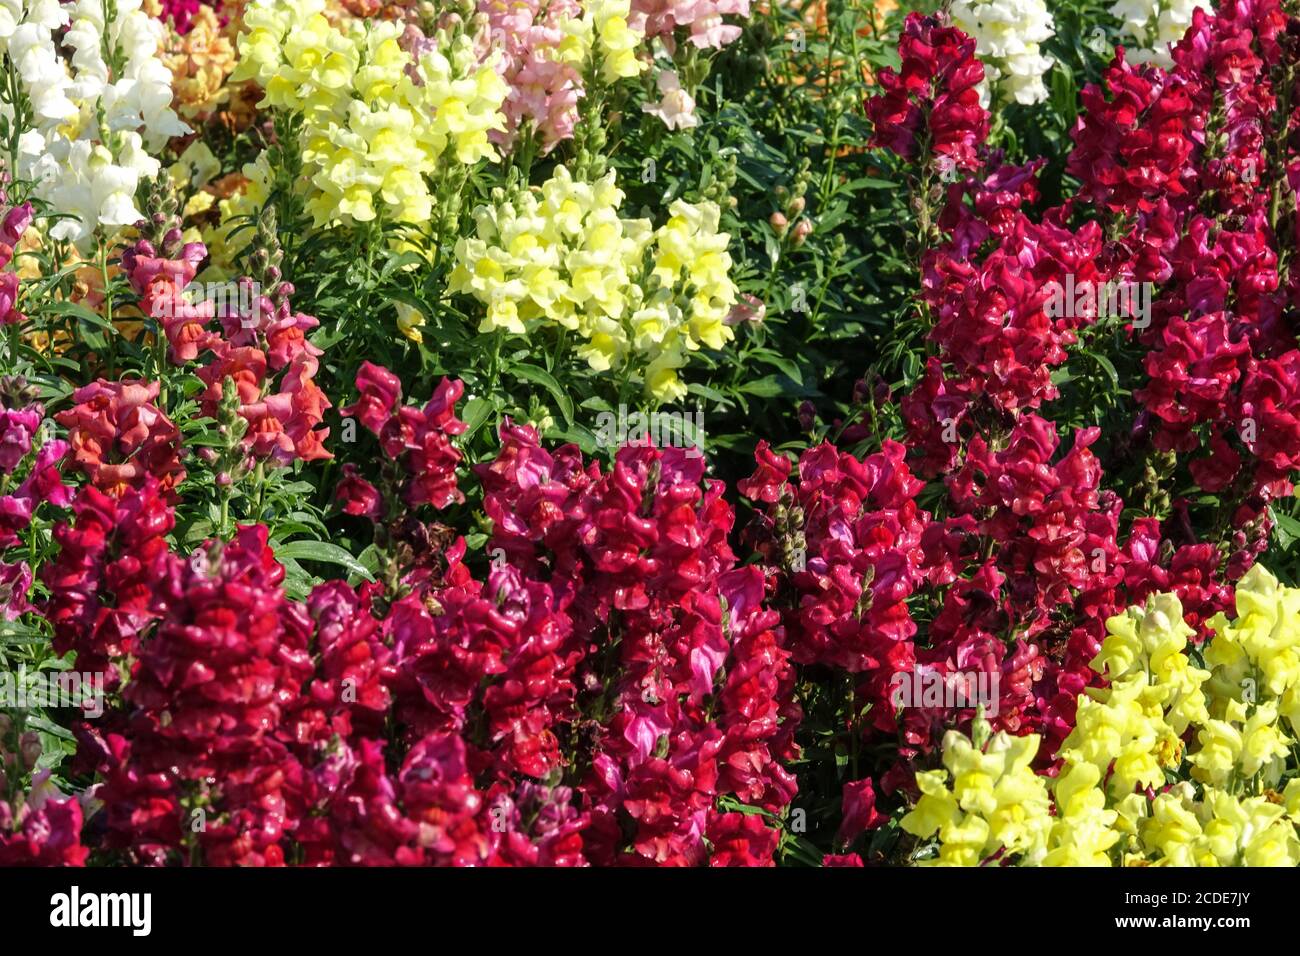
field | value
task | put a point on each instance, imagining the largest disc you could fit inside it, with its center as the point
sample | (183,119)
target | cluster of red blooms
(596,700)
(417,442)
(1193,164)
(1025,556)
(931,102)
(666,664)
(260,344)
(120,438)
(103,582)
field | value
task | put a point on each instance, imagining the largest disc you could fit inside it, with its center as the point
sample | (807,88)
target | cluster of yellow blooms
(376,122)
(1171,764)
(616,41)
(562,256)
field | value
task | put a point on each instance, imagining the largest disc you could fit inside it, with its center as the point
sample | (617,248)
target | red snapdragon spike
(205,706)
(420,438)
(931,101)
(250,335)
(105,582)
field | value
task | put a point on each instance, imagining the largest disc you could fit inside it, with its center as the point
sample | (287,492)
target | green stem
(108,309)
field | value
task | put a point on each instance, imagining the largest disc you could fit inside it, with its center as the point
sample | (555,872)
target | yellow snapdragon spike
(1224,735)
(369,126)
(564,255)
(996,802)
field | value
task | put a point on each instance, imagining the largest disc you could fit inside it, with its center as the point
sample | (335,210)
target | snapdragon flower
(562,256)
(544,51)
(1154,26)
(1221,732)
(987,802)
(200,59)
(378,121)
(703,18)
(96,121)
(1008,34)
(676,107)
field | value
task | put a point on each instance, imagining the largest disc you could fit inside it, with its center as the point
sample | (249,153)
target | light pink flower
(676,107)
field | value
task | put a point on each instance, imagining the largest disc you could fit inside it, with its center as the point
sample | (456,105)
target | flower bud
(29,746)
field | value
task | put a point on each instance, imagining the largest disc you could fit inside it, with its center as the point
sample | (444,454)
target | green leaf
(1287,529)
(781,363)
(78,311)
(579,435)
(324,552)
(40,723)
(770,386)
(15,632)
(698,388)
(539,376)
(475,413)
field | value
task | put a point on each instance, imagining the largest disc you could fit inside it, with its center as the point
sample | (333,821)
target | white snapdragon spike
(1155,26)
(93,128)
(45,78)
(140,99)
(46,14)
(97,187)
(1007,35)
(11,14)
